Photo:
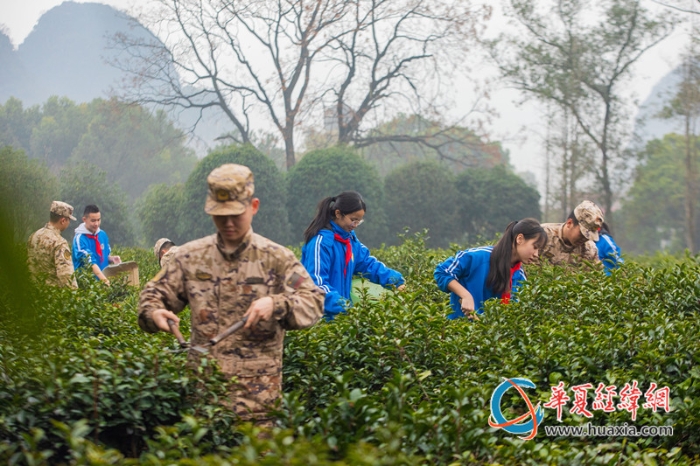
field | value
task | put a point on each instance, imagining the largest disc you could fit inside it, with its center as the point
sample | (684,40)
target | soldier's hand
(160,318)
(260,309)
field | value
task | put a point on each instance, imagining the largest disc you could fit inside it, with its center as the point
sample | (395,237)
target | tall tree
(17,122)
(567,153)
(685,105)
(134,147)
(58,133)
(564,57)
(280,59)
(653,208)
(230,55)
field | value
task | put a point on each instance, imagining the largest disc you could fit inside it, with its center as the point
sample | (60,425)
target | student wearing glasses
(332,254)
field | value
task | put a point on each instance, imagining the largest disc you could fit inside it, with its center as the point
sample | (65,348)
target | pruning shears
(204,349)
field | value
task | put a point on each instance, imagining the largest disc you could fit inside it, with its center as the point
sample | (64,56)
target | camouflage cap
(230,190)
(590,219)
(62,209)
(159,245)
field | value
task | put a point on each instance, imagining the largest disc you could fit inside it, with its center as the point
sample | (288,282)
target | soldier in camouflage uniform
(164,251)
(48,254)
(232,274)
(573,241)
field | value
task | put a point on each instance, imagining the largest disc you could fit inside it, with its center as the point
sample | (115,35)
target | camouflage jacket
(49,257)
(219,287)
(558,251)
(169,254)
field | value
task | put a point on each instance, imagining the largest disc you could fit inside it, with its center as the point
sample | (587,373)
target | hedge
(328,172)
(391,382)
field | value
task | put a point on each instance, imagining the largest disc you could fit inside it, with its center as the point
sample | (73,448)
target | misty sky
(521,128)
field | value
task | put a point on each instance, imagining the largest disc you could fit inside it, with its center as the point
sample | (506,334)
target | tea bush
(328,172)
(390,382)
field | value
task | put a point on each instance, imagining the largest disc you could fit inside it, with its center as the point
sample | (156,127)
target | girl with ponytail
(332,254)
(478,274)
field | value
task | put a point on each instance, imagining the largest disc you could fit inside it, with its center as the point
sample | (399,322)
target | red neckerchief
(348,250)
(98,248)
(505,299)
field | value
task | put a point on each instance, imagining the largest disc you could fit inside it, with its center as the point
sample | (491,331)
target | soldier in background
(571,242)
(164,251)
(48,254)
(229,275)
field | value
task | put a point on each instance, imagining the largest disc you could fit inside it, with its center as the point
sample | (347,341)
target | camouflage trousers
(254,397)
(257,390)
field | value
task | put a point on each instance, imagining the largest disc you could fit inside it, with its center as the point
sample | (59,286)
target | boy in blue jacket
(91,244)
(332,254)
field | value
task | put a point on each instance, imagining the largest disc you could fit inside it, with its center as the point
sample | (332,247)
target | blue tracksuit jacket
(471,268)
(84,248)
(324,259)
(609,252)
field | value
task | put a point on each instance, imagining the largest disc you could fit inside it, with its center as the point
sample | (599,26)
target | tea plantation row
(391,382)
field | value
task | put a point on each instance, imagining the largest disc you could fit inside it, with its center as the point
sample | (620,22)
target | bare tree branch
(281,58)
(389,47)
(683,10)
(274,42)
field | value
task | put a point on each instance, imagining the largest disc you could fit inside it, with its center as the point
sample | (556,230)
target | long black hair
(346,202)
(499,271)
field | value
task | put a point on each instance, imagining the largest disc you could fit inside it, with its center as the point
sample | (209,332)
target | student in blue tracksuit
(478,274)
(91,244)
(332,254)
(609,252)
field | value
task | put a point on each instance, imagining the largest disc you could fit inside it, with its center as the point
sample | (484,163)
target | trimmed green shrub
(422,195)
(399,360)
(160,211)
(271,219)
(490,198)
(327,172)
(92,362)
(84,184)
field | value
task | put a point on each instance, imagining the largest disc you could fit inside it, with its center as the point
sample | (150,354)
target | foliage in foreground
(392,382)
